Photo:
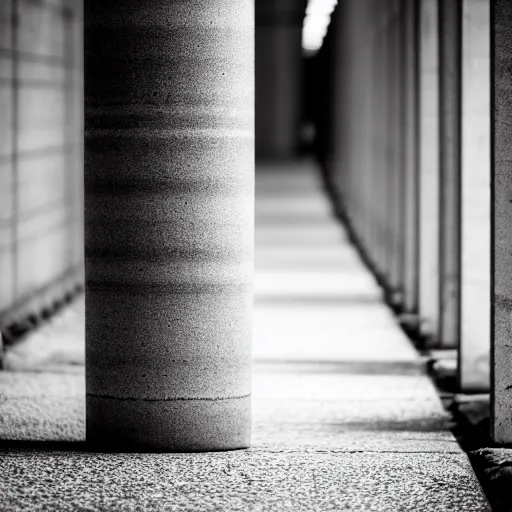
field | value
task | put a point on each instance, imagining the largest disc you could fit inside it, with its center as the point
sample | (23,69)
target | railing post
(169,189)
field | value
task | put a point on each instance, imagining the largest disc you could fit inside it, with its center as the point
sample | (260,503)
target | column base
(183,425)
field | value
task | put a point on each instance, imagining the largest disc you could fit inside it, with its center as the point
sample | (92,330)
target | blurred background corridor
(381,296)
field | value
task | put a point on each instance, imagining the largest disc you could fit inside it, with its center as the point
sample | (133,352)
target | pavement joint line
(173,399)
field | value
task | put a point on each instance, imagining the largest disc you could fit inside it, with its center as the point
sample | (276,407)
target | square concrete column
(410,21)
(475,282)
(370,49)
(169,188)
(429,173)
(372,53)
(397,186)
(450,13)
(501,130)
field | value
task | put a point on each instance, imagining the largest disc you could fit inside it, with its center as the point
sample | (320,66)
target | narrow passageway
(344,417)
(335,376)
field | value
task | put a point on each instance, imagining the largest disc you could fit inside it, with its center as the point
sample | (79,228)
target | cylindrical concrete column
(168,223)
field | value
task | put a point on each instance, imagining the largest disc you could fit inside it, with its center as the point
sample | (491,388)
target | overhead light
(316,22)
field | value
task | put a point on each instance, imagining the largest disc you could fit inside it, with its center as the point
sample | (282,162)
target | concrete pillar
(396,141)
(429,173)
(338,106)
(410,98)
(373,201)
(320,94)
(475,197)
(362,25)
(378,116)
(449,150)
(279,77)
(501,387)
(344,154)
(169,192)
(383,132)
(370,51)
(7,156)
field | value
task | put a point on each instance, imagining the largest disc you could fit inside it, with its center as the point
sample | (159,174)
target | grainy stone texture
(239,481)
(344,417)
(502,243)
(494,468)
(169,182)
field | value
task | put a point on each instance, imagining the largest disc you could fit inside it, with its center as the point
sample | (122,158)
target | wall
(41,240)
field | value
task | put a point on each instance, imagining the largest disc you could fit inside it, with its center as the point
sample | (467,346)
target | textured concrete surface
(494,468)
(344,417)
(502,218)
(240,481)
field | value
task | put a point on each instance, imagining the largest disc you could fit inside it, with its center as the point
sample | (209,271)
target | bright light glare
(321,6)
(316,21)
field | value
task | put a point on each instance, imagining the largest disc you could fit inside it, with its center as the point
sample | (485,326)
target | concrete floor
(344,416)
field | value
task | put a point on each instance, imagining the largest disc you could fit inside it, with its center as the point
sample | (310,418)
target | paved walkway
(344,416)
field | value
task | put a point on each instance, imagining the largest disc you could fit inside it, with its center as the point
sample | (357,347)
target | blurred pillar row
(41,210)
(415,147)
